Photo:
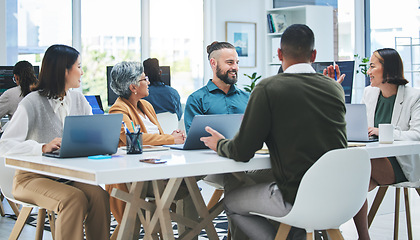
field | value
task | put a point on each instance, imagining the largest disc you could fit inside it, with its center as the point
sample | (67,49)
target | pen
(138,132)
(125,127)
(132,124)
(335,73)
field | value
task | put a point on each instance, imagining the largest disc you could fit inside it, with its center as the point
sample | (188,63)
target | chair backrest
(168,121)
(6,180)
(332,191)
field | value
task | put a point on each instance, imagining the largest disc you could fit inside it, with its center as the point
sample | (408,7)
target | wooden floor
(381,229)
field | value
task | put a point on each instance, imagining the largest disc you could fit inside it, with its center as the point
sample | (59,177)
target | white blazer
(406,120)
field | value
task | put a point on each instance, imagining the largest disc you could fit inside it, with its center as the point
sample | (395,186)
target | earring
(135,93)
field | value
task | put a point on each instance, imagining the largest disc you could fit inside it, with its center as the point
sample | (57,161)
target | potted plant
(254,80)
(363,67)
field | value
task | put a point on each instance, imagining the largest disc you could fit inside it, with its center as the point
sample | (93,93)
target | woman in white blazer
(389,100)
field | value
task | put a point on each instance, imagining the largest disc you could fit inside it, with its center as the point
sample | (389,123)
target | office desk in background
(181,165)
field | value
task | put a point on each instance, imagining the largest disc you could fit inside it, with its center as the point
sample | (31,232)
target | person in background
(220,95)
(288,112)
(162,97)
(389,100)
(131,84)
(36,128)
(25,78)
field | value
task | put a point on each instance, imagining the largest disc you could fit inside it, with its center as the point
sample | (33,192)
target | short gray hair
(124,74)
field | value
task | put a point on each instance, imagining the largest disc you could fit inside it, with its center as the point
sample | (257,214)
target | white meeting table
(180,165)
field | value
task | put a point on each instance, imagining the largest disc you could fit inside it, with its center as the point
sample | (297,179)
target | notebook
(226,124)
(357,126)
(89,135)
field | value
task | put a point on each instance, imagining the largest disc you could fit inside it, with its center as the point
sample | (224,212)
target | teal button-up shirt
(211,100)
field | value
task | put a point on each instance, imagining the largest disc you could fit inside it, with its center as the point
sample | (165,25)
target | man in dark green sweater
(299,114)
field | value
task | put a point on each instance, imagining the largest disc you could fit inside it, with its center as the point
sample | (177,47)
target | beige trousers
(76,204)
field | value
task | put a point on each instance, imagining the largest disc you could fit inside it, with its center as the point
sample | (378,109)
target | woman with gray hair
(130,83)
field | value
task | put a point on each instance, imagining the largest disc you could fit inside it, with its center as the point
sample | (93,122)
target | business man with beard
(220,95)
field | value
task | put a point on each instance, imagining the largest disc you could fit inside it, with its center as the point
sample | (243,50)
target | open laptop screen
(96,103)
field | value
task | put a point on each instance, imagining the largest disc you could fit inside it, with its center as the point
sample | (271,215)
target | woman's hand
(373,131)
(329,72)
(179,136)
(211,141)
(51,146)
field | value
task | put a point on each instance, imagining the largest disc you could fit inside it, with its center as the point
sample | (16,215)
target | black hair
(393,69)
(214,46)
(57,59)
(297,42)
(27,77)
(152,70)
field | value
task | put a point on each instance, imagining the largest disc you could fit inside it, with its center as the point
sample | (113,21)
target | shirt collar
(57,103)
(211,87)
(300,68)
(157,84)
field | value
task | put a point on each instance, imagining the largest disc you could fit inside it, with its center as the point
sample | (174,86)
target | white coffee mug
(386,133)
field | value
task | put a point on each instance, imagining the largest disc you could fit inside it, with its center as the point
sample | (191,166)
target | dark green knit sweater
(299,116)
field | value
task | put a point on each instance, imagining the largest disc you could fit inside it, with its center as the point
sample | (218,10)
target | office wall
(243,11)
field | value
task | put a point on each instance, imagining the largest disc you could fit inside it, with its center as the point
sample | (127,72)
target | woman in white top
(389,100)
(36,128)
(25,79)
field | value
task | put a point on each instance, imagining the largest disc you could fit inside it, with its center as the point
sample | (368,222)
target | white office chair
(12,205)
(168,121)
(6,183)
(380,196)
(331,192)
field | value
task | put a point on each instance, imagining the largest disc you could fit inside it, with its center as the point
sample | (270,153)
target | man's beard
(225,77)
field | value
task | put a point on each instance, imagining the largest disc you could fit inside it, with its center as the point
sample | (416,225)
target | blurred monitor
(6,77)
(96,103)
(346,67)
(112,97)
(166,75)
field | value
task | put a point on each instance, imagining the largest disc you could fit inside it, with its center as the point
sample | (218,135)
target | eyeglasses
(146,78)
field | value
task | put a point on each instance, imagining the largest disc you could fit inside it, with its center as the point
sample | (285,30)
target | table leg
(158,216)
(163,200)
(132,212)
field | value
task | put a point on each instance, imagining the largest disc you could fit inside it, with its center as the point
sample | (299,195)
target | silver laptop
(226,124)
(89,135)
(357,125)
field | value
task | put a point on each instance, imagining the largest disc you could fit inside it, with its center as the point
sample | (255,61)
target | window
(401,31)
(111,33)
(41,24)
(175,36)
